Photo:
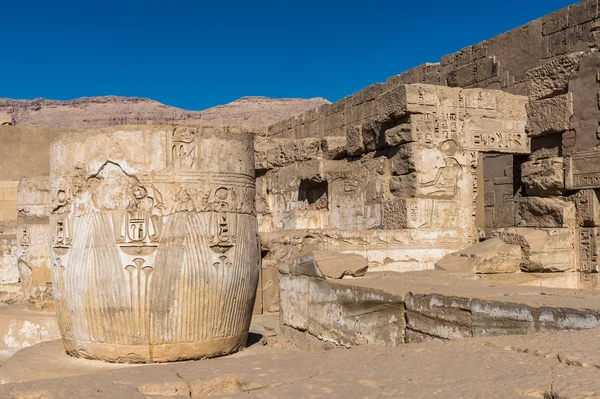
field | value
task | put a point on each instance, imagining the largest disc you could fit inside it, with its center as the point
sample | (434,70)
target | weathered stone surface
(489,256)
(587,207)
(9,271)
(336,265)
(21,328)
(544,250)
(550,115)
(436,317)
(170,215)
(543,177)
(354,316)
(587,248)
(546,212)
(284,152)
(552,77)
(586,111)
(33,241)
(582,170)
(499,190)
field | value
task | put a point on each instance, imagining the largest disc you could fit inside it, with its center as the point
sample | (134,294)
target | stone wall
(553,60)
(401,187)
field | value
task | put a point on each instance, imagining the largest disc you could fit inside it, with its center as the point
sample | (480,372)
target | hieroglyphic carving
(143,220)
(587,207)
(157,257)
(582,170)
(447,177)
(222,232)
(587,250)
(25,240)
(497,136)
(139,276)
(436,127)
(474,164)
(183,148)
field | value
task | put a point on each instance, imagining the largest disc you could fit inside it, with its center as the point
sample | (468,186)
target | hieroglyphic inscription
(496,136)
(587,250)
(510,142)
(436,127)
(183,148)
(582,170)
(586,203)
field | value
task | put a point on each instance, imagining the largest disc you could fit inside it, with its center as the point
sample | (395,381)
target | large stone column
(155,249)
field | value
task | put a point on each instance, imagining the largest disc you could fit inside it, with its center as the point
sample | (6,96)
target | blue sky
(196,54)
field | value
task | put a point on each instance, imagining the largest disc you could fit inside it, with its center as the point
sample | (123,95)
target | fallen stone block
(487,257)
(334,264)
(544,250)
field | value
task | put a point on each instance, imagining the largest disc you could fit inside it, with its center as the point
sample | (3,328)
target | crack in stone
(184,380)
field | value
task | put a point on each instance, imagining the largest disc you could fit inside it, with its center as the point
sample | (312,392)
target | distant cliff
(97,112)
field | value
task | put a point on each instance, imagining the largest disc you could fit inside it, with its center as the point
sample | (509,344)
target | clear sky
(197,54)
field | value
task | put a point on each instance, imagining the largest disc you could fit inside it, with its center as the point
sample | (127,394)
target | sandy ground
(551,365)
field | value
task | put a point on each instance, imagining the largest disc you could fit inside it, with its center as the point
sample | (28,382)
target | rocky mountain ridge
(98,112)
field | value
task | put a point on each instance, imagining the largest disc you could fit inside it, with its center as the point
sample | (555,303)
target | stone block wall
(553,60)
(401,187)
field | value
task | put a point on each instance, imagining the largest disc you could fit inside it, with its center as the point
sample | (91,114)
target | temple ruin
(459,199)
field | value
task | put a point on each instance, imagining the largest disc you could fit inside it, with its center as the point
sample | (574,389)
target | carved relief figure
(184,149)
(447,177)
(143,218)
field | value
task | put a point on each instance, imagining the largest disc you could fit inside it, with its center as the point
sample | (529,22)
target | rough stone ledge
(389,309)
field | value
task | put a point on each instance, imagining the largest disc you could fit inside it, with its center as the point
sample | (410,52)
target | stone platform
(390,309)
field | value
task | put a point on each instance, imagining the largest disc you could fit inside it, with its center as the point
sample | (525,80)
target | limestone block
(334,147)
(436,316)
(354,140)
(9,271)
(487,257)
(293,301)
(549,115)
(543,177)
(336,265)
(154,241)
(354,315)
(305,265)
(400,134)
(290,151)
(491,318)
(405,185)
(402,159)
(270,289)
(546,212)
(587,206)
(544,250)
(553,77)
(582,170)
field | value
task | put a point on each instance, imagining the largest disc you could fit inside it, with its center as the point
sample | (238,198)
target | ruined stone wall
(24,152)
(554,61)
(399,187)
